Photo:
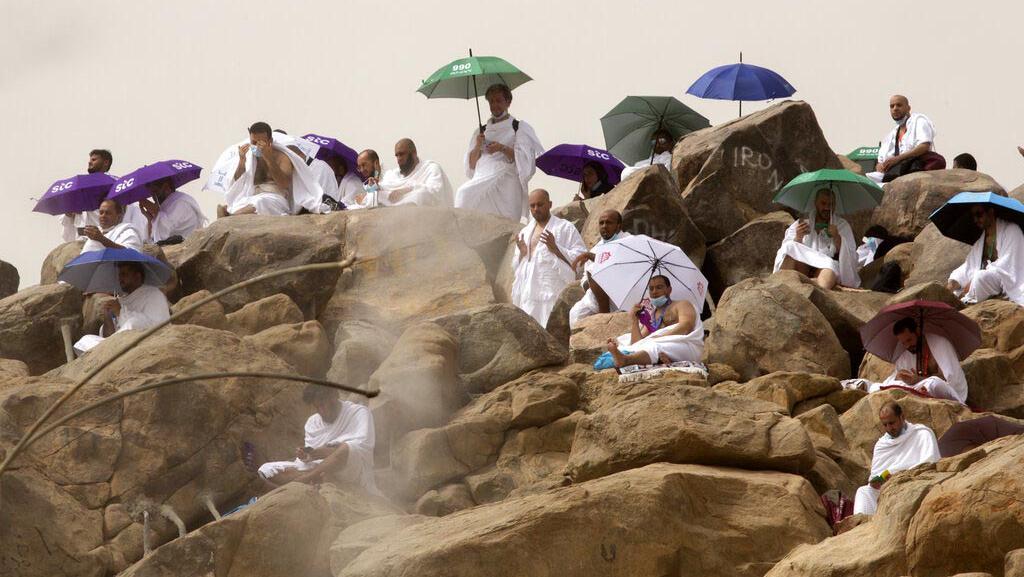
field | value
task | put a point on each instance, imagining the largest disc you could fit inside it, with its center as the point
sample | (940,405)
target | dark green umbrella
(465,77)
(629,126)
(853,192)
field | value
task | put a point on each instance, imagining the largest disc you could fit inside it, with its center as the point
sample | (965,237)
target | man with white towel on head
(821,246)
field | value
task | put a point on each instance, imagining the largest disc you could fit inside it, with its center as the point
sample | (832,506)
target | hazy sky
(160,80)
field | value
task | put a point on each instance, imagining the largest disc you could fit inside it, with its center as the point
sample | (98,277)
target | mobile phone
(81,230)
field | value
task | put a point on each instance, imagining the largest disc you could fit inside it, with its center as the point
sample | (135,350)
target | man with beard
(661,143)
(909,147)
(415,181)
(820,246)
(594,301)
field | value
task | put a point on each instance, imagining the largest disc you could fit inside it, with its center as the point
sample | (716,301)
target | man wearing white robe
(913,136)
(995,264)
(414,181)
(904,446)
(500,161)
(678,333)
(139,306)
(369,193)
(609,226)
(545,251)
(112,231)
(338,446)
(348,188)
(820,246)
(99,161)
(170,212)
(662,145)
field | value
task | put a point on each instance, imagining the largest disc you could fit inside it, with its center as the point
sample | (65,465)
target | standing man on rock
(594,301)
(543,262)
(414,181)
(909,147)
(501,160)
(904,445)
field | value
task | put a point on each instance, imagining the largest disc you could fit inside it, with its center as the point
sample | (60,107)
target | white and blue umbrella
(96,271)
(624,267)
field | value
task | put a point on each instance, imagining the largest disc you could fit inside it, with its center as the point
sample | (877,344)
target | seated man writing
(112,232)
(904,446)
(673,332)
(139,306)
(595,301)
(820,246)
(338,445)
(995,264)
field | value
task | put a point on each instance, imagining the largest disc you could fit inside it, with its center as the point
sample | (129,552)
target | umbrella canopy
(466,77)
(567,161)
(334,147)
(76,194)
(966,435)
(623,268)
(132,186)
(853,192)
(741,82)
(629,126)
(96,271)
(954,219)
(932,316)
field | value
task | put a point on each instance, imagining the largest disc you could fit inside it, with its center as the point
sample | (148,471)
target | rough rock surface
(359,349)
(262,314)
(935,256)
(210,315)
(30,322)
(58,257)
(302,345)
(748,252)
(909,199)
(9,279)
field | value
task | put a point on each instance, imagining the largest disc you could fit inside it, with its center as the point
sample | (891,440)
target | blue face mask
(659,302)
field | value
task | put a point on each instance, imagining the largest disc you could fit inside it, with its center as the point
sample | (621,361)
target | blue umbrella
(334,147)
(954,219)
(741,82)
(76,194)
(132,186)
(96,271)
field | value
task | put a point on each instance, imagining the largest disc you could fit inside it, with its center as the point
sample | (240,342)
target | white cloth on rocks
(1005,275)
(817,250)
(179,214)
(143,308)
(919,130)
(349,190)
(426,185)
(664,159)
(497,185)
(121,233)
(354,427)
(69,226)
(588,305)
(866,251)
(915,445)
(951,385)
(678,348)
(541,278)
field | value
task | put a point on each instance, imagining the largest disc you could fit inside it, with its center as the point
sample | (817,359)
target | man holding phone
(821,246)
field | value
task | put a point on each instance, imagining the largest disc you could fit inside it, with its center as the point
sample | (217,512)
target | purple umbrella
(567,161)
(132,186)
(334,147)
(76,194)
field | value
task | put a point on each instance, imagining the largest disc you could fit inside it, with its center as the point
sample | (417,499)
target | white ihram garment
(179,214)
(919,130)
(688,347)
(664,159)
(497,185)
(953,386)
(69,226)
(121,233)
(324,175)
(588,306)
(543,276)
(818,251)
(1005,275)
(915,445)
(426,185)
(143,308)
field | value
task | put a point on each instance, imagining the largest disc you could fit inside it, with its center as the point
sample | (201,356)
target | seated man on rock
(937,373)
(662,143)
(673,332)
(139,306)
(995,264)
(904,446)
(821,246)
(414,181)
(368,194)
(338,445)
(909,147)
(112,232)
(595,301)
(171,213)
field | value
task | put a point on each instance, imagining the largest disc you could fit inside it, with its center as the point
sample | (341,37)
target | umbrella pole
(476,99)
(741,102)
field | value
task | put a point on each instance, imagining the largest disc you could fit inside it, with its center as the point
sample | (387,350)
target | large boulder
(685,424)
(902,255)
(910,199)
(748,252)
(592,334)
(359,349)
(935,256)
(260,315)
(415,263)
(992,384)
(649,203)
(498,343)
(558,321)
(232,250)
(9,279)
(1001,322)
(302,345)
(762,326)
(659,528)
(210,315)
(30,322)
(729,173)
(58,257)
(783,388)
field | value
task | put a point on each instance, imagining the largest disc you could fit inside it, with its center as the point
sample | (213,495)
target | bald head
(405,154)
(899,107)
(540,205)
(368,164)
(890,416)
(609,223)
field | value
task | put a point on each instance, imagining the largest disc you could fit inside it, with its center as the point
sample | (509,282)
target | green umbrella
(465,77)
(853,191)
(629,126)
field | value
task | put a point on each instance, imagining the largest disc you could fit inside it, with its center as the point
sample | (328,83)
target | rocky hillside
(500,451)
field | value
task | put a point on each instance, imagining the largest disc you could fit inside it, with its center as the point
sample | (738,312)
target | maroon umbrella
(966,435)
(931,316)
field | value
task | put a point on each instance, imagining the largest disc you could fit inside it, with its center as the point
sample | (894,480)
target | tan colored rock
(210,315)
(659,529)
(649,203)
(9,279)
(802,339)
(928,291)
(58,257)
(301,345)
(362,535)
(841,401)
(575,212)
(558,321)
(730,172)
(1001,322)
(649,423)
(445,500)
(591,336)
(785,389)
(901,254)
(935,256)
(1014,563)
(992,384)
(909,199)
(850,165)
(748,252)
(825,430)
(11,369)
(30,323)
(359,349)
(262,314)
(499,343)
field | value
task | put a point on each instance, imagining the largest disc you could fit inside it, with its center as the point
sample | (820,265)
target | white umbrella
(624,267)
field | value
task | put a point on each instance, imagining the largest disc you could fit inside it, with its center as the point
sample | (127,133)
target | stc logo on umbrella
(598,154)
(603,256)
